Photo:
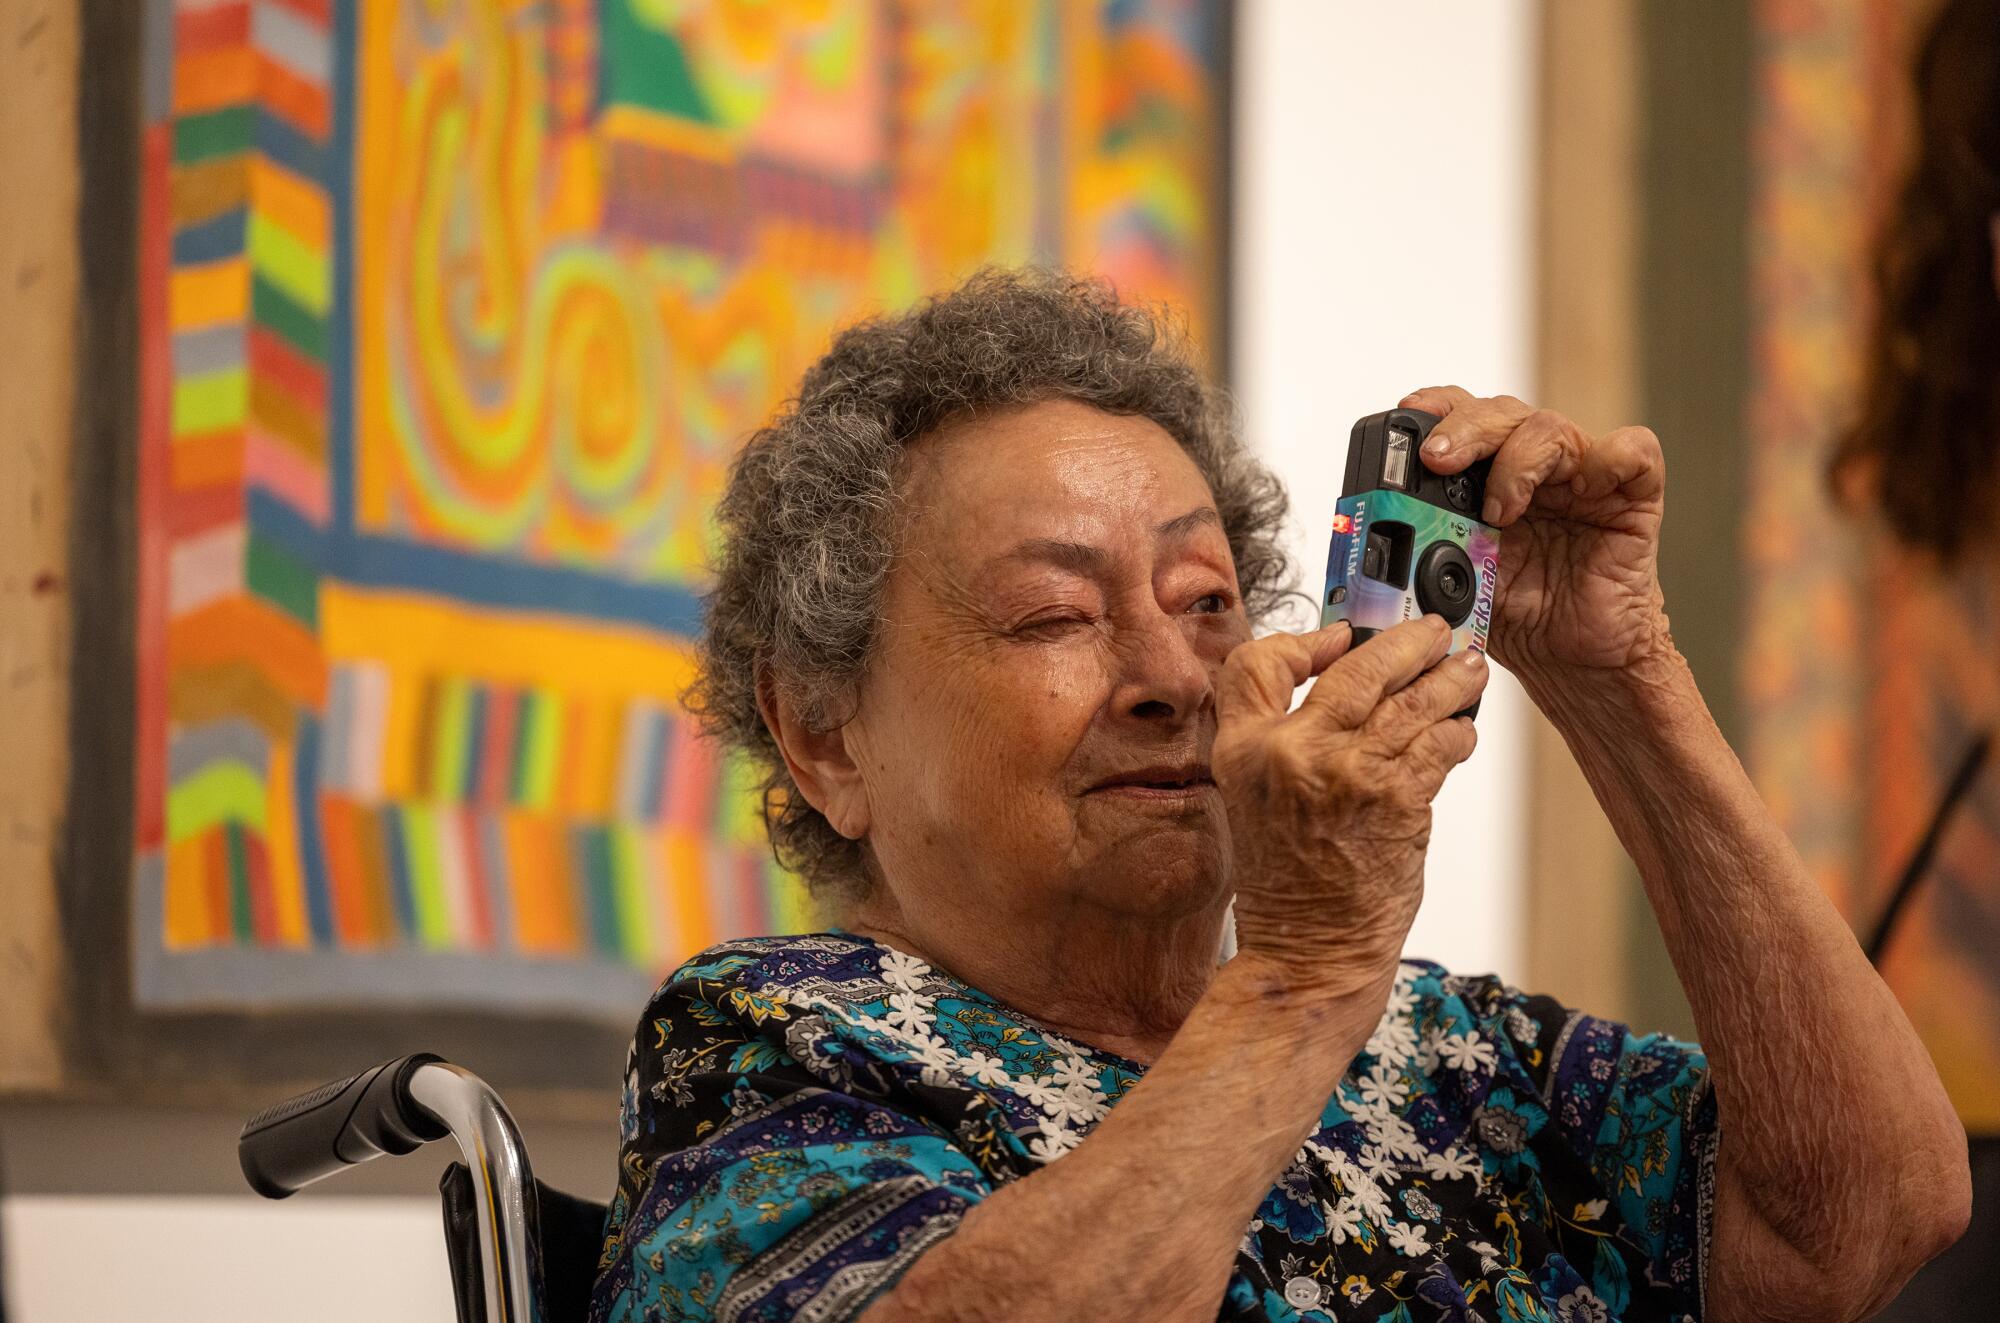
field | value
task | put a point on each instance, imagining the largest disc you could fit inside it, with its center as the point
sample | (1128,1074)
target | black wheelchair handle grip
(287,1147)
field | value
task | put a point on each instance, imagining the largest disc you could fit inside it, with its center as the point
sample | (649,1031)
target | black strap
(1920,862)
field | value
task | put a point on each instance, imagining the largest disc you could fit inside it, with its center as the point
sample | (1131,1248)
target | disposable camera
(1408,542)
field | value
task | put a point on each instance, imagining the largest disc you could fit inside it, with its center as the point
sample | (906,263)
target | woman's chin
(1161,877)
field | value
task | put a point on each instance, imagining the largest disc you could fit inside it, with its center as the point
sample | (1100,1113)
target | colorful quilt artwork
(451,314)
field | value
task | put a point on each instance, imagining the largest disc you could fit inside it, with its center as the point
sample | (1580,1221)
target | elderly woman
(985,610)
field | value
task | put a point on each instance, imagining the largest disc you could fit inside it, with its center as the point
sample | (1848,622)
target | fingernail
(1473,659)
(1437,447)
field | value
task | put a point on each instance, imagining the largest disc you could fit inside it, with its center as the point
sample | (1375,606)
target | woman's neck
(1114,982)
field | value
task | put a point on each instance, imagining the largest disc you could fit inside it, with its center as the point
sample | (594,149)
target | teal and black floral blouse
(805,1116)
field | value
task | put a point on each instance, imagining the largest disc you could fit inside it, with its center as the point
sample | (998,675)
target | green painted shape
(239,884)
(791,904)
(225,132)
(645,66)
(220,792)
(739,808)
(448,741)
(593,846)
(543,723)
(270,306)
(283,580)
(420,845)
(296,269)
(211,402)
(517,753)
(628,893)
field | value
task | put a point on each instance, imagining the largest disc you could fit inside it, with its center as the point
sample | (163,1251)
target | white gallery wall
(224,1259)
(1382,243)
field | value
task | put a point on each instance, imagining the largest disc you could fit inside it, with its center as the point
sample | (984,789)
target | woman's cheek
(1069,681)
(1025,720)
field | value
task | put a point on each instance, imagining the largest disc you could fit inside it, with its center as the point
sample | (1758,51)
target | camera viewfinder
(1385,554)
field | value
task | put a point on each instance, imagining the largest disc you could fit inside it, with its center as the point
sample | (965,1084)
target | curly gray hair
(810,519)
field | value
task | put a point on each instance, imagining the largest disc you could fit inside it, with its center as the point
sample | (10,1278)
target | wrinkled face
(1060,616)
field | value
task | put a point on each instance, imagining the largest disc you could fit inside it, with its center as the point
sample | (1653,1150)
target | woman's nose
(1165,676)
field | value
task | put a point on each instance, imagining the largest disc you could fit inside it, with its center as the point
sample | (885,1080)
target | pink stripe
(368,734)
(692,800)
(496,761)
(659,892)
(457,875)
(673,775)
(205,568)
(756,898)
(479,899)
(277,468)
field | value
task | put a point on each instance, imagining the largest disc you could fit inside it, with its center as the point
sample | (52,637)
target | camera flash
(1396,460)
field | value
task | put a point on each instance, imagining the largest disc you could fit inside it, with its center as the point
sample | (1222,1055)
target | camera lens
(1445,582)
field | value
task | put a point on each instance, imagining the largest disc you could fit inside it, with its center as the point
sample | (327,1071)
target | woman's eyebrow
(1077,557)
(1180,525)
(1082,558)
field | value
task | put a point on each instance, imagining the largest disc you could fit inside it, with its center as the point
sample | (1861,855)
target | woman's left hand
(1580,518)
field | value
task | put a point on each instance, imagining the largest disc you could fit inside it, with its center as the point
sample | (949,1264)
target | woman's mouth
(1191,790)
(1165,787)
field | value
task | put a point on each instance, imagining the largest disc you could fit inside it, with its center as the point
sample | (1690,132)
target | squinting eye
(1050,624)
(1221,601)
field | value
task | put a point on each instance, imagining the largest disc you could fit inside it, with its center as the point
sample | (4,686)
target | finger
(1475,429)
(1629,459)
(1545,448)
(1448,687)
(1259,677)
(1352,688)
(1439,748)
(1440,400)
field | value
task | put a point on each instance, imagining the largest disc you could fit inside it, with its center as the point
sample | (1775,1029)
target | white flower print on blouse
(1467,1052)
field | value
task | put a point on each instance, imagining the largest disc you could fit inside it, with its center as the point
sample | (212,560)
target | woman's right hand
(1330,806)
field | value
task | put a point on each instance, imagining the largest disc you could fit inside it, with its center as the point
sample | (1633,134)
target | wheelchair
(520,1251)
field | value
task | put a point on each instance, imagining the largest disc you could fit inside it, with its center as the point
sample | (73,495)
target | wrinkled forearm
(1838,1143)
(1145,1218)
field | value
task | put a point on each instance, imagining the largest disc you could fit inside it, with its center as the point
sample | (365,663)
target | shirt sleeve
(751,1192)
(1637,1114)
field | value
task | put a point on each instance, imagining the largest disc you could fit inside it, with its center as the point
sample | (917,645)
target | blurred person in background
(984,614)
(1925,450)
(1923,462)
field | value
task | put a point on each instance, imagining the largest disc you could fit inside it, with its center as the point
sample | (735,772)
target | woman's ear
(821,764)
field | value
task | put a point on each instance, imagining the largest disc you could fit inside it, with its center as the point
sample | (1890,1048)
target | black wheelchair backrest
(567,1250)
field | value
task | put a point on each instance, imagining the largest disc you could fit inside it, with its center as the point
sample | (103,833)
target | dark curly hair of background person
(1926,444)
